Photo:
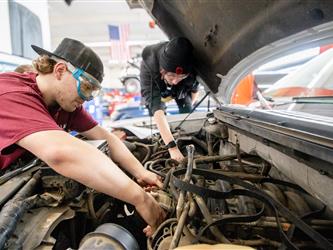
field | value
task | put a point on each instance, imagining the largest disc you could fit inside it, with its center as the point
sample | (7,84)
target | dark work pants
(185,105)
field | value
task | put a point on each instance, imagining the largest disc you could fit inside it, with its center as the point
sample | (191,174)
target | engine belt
(239,218)
(254,192)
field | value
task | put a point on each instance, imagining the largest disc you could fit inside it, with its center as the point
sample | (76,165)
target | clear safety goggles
(88,87)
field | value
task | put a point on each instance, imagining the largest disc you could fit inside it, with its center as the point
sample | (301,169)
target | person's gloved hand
(148,178)
(176,154)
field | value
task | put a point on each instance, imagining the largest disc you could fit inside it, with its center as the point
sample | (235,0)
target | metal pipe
(16,172)
(91,208)
(21,182)
(187,178)
(180,226)
(190,154)
(209,144)
(205,212)
(193,207)
(13,210)
(311,222)
(215,158)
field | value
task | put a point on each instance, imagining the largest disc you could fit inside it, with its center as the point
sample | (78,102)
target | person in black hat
(38,108)
(166,73)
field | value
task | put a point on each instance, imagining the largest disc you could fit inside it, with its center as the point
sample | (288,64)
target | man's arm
(120,154)
(82,162)
(164,128)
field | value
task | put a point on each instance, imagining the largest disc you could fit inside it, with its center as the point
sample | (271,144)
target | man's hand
(150,178)
(152,213)
(176,154)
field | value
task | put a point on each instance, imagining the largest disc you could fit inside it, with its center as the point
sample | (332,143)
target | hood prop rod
(195,106)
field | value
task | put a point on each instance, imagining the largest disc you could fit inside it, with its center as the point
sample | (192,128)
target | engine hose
(156,171)
(148,154)
(169,165)
(159,154)
(147,164)
(251,191)
(198,142)
(167,179)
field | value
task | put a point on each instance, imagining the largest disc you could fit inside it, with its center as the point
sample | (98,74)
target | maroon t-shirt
(23,112)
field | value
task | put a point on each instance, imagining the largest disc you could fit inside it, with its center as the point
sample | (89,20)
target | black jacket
(153,88)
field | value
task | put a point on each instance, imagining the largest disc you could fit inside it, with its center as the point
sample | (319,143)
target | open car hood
(226,32)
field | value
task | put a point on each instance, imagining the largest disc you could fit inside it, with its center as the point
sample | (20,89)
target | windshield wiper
(313,99)
(306,100)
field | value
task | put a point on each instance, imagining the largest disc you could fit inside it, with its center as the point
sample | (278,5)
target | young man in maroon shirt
(36,109)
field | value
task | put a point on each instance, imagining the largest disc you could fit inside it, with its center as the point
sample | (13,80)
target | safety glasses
(87,86)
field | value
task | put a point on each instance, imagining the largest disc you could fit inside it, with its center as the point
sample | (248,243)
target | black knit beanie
(177,56)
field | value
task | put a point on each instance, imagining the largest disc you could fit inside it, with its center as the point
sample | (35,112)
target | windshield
(313,79)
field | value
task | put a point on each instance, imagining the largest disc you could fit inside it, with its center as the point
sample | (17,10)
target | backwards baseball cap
(79,55)
(177,56)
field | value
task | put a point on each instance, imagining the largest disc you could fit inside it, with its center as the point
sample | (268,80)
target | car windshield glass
(313,79)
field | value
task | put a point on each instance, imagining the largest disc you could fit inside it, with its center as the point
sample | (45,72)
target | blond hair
(24,68)
(44,64)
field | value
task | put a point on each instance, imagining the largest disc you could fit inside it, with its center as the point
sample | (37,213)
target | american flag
(119,50)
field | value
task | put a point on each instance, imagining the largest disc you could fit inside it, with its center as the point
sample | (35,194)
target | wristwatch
(171,144)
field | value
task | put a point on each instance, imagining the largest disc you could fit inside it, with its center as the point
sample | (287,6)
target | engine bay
(218,194)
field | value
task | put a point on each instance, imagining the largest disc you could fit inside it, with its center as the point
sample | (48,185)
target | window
(25,30)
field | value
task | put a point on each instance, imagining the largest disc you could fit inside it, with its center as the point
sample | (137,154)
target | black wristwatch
(171,144)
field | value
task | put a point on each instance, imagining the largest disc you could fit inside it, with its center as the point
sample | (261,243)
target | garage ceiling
(88,22)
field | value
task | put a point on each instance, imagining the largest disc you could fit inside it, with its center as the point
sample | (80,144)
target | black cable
(251,191)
